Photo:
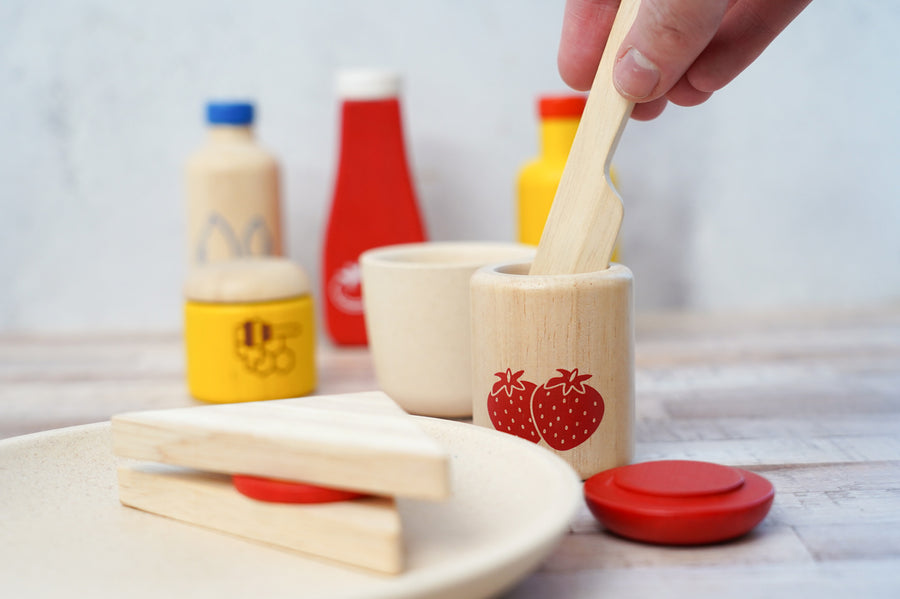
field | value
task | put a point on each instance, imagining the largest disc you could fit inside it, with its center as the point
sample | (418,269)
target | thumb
(666,37)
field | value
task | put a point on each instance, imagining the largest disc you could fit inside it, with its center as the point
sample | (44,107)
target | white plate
(63,530)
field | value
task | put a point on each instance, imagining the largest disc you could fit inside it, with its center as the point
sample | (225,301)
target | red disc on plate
(679,502)
(282,491)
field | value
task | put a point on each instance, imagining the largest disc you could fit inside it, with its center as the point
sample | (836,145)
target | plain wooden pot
(553,361)
(416,299)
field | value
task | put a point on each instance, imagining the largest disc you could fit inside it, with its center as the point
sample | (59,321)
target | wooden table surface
(810,400)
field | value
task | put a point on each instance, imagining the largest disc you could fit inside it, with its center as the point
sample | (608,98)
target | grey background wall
(779,192)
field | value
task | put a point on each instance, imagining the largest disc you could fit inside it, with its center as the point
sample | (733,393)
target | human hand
(678,51)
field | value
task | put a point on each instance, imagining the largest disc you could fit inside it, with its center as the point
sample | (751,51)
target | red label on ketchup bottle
(374,202)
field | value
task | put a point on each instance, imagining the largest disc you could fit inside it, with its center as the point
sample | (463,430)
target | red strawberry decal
(509,405)
(566,410)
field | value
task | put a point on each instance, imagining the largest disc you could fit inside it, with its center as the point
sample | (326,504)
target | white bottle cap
(367,84)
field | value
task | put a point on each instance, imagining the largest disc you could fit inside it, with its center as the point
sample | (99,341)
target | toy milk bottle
(234,207)
(539,178)
(374,202)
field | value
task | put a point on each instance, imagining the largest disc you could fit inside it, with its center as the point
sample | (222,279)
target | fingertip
(684,93)
(647,111)
(704,81)
(573,72)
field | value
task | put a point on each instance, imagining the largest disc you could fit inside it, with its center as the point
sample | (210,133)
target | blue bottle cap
(229,113)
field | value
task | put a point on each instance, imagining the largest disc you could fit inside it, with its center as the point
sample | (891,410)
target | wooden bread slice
(358,441)
(361,532)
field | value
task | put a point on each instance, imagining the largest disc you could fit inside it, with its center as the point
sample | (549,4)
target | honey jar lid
(246,280)
(679,502)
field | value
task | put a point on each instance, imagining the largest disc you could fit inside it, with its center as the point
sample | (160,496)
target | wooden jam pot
(553,361)
(249,331)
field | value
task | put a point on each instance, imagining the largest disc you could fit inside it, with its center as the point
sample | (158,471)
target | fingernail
(635,76)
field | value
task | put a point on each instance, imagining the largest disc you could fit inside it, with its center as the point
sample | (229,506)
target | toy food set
(317,475)
(374,202)
(234,199)
(539,345)
(249,331)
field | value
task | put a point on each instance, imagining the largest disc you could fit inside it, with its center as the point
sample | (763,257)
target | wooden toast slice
(362,532)
(358,441)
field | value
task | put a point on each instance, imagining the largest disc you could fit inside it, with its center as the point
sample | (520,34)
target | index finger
(586,26)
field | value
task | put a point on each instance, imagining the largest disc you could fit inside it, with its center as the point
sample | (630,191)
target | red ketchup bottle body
(374,202)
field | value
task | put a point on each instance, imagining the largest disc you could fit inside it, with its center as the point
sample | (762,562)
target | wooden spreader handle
(587,212)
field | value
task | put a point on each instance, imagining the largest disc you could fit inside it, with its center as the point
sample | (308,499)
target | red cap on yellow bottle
(561,106)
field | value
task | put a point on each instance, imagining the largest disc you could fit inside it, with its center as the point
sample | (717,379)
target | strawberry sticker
(509,405)
(566,410)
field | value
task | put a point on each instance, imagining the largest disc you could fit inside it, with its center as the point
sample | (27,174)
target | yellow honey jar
(249,331)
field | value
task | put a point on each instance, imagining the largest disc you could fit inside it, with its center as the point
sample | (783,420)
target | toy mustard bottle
(374,202)
(234,205)
(539,178)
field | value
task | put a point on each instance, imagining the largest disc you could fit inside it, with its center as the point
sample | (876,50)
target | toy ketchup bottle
(234,205)
(374,203)
(539,178)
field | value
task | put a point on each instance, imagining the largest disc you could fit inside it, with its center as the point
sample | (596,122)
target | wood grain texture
(362,532)
(357,441)
(810,399)
(544,326)
(587,212)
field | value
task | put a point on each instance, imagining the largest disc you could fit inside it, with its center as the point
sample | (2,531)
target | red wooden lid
(679,502)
